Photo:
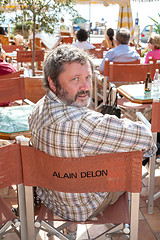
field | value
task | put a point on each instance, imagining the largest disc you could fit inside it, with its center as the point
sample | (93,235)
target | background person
(2,31)
(62,125)
(82,36)
(109,41)
(5,68)
(123,52)
(153,47)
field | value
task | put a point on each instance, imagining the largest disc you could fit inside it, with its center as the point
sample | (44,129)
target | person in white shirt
(82,36)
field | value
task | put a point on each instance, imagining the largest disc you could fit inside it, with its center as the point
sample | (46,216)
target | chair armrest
(142,118)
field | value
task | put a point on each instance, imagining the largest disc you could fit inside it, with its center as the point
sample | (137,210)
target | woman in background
(109,42)
(153,47)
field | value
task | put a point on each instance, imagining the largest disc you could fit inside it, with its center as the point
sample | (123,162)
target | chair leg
(30,213)
(22,211)
(151,180)
(134,216)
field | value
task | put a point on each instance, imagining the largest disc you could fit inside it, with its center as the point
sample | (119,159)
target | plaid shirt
(69,131)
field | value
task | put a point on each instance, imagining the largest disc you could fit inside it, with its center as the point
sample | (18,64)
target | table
(14,121)
(136,94)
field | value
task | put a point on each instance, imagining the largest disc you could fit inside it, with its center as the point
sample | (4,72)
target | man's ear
(51,85)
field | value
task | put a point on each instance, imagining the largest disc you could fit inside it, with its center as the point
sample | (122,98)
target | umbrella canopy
(125,18)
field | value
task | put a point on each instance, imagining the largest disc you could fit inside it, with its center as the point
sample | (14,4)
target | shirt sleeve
(104,134)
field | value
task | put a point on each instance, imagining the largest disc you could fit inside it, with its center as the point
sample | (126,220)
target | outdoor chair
(34,89)
(11,174)
(11,48)
(153,162)
(126,73)
(14,118)
(10,51)
(26,57)
(97,53)
(67,40)
(12,75)
(110,175)
(101,83)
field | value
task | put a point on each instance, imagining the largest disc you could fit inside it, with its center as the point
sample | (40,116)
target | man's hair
(55,61)
(123,36)
(155,40)
(82,35)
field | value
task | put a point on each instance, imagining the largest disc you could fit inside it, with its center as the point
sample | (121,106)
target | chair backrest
(12,89)
(10,174)
(128,73)
(107,63)
(97,45)
(33,88)
(106,172)
(67,39)
(11,48)
(155,126)
(26,56)
(156,64)
(98,53)
(12,75)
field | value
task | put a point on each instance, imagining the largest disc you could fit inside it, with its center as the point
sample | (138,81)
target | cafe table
(136,94)
(14,121)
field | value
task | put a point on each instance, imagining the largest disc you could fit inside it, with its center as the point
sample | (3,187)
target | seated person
(2,31)
(109,41)
(18,39)
(82,36)
(5,68)
(62,125)
(121,53)
(153,47)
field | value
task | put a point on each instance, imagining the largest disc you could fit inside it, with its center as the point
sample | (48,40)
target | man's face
(76,84)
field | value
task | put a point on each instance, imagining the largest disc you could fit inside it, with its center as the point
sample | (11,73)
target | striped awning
(125,19)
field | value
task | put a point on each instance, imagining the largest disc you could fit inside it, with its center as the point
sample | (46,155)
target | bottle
(156,86)
(148,83)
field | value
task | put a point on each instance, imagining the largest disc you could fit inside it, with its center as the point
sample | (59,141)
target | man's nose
(84,85)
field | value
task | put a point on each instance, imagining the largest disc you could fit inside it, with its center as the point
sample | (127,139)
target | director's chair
(11,174)
(153,162)
(124,173)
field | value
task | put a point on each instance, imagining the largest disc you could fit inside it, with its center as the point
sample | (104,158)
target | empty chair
(26,57)
(99,173)
(155,128)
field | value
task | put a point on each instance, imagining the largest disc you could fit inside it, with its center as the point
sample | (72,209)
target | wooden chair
(66,40)
(101,82)
(98,53)
(11,174)
(153,164)
(34,89)
(4,39)
(14,119)
(26,57)
(11,48)
(12,75)
(38,168)
(156,64)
